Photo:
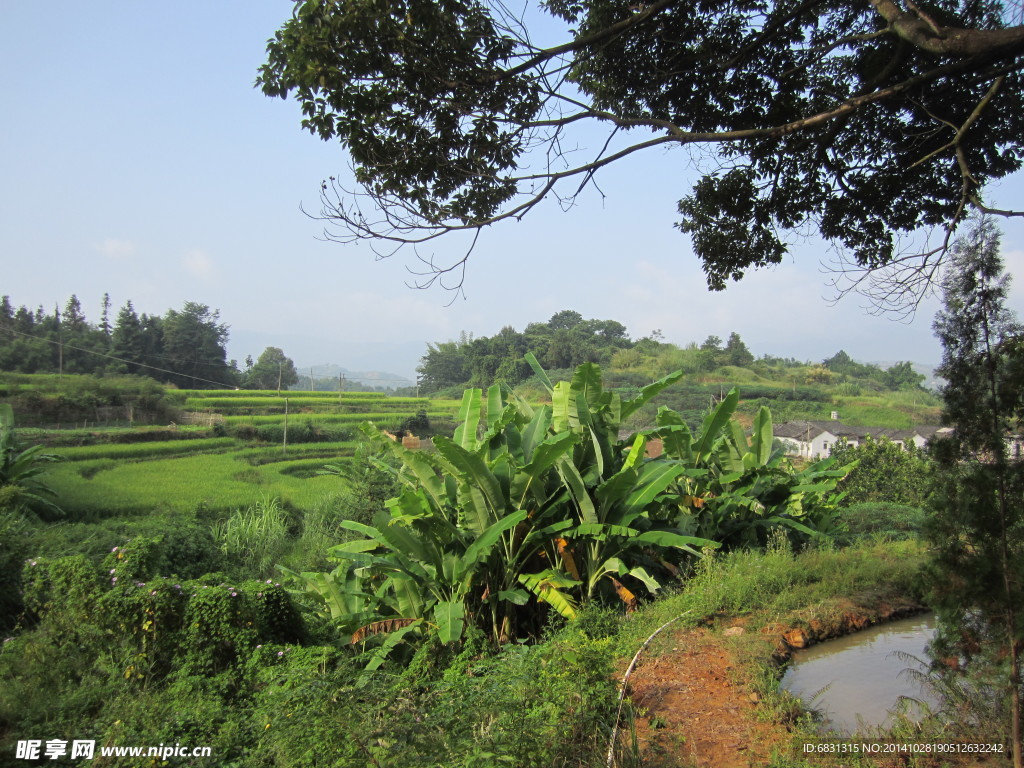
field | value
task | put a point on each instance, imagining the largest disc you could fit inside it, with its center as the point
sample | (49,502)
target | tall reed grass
(256,537)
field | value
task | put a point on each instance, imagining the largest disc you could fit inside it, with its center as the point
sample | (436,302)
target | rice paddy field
(109,487)
(236,458)
(228,449)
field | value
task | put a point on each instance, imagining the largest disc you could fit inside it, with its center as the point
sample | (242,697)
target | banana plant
(20,470)
(736,490)
(612,488)
(459,542)
(543,505)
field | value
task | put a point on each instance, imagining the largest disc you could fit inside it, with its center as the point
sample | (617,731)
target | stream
(858,679)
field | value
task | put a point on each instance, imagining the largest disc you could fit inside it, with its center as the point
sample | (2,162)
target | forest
(567,340)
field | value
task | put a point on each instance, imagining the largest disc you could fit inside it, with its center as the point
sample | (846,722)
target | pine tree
(978,526)
(105,326)
(126,339)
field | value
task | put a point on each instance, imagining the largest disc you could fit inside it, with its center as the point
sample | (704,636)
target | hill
(377,379)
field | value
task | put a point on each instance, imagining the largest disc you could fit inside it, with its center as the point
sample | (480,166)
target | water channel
(859,679)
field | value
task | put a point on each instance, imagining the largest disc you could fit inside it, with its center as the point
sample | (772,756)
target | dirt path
(696,709)
(695,701)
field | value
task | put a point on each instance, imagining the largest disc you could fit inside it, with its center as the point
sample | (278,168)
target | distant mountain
(371,378)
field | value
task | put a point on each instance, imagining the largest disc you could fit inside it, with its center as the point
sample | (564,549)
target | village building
(816,439)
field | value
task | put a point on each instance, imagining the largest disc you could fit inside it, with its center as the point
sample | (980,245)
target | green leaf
(415,461)
(480,548)
(601,531)
(671,539)
(761,438)
(547,586)
(649,581)
(515,596)
(450,618)
(563,414)
(617,487)
(631,406)
(714,424)
(666,417)
(476,481)
(535,432)
(469,418)
(636,452)
(495,405)
(655,477)
(356,545)
(540,373)
(577,489)
(324,585)
(586,381)
(544,458)
(820,488)
(381,654)
(611,565)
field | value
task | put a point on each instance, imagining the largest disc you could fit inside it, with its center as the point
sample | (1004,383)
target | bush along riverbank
(706,692)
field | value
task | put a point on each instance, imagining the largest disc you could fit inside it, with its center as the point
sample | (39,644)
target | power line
(120,359)
(153,367)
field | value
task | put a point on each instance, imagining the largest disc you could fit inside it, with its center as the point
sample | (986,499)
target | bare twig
(625,680)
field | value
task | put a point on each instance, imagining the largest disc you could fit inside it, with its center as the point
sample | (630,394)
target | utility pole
(279,364)
(284,443)
(60,343)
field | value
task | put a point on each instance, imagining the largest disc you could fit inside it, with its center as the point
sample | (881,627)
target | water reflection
(861,676)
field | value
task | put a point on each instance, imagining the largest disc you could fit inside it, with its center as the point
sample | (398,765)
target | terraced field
(247,460)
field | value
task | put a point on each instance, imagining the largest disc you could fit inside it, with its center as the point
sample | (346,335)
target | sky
(137,159)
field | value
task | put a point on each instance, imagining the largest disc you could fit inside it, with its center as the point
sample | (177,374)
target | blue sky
(137,159)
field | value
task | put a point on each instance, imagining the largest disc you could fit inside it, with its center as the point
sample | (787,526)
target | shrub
(154,627)
(159,659)
(254,538)
(885,472)
(67,586)
(894,521)
(185,550)
(13,550)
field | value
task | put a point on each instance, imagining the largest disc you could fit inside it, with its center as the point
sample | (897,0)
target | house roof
(808,430)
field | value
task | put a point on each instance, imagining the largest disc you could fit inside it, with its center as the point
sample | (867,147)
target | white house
(816,439)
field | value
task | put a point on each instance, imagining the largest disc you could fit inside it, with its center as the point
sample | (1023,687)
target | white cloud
(118,250)
(198,264)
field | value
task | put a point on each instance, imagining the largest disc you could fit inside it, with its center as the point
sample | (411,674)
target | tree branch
(922,32)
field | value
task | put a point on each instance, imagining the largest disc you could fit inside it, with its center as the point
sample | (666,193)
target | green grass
(249,393)
(294,403)
(215,481)
(92,435)
(300,419)
(108,474)
(254,537)
(769,586)
(270,454)
(893,411)
(147,450)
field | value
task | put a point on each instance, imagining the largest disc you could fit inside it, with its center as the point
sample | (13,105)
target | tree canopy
(185,347)
(977,530)
(864,120)
(272,370)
